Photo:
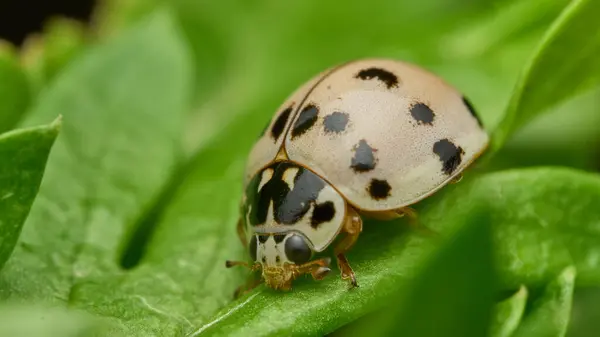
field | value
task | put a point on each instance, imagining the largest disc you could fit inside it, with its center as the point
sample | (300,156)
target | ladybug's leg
(246,288)
(318,268)
(456,179)
(249,285)
(414,221)
(410,213)
(352,228)
(241,232)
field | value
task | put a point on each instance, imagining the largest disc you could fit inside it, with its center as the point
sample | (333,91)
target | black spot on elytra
(450,155)
(322,213)
(263,238)
(379,189)
(422,113)
(364,157)
(289,205)
(380,74)
(307,118)
(336,122)
(278,238)
(469,106)
(277,259)
(279,124)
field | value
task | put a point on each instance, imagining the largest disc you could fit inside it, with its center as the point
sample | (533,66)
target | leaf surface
(508,314)
(15,91)
(23,156)
(565,64)
(455,288)
(550,314)
(533,241)
(123,104)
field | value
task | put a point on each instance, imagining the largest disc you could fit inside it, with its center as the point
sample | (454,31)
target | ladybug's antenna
(253,267)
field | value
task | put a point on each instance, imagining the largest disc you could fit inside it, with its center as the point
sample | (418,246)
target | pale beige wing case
(386,134)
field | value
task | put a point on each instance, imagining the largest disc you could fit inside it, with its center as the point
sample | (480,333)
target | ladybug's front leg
(241,231)
(352,228)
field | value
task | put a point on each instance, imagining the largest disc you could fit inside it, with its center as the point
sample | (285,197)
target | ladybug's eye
(252,247)
(296,249)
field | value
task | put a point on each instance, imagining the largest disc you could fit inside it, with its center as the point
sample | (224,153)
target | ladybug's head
(283,257)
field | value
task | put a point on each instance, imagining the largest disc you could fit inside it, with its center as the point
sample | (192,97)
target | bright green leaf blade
(455,289)
(573,126)
(565,64)
(40,321)
(585,313)
(508,314)
(15,92)
(23,156)
(543,219)
(549,315)
(533,219)
(183,281)
(124,104)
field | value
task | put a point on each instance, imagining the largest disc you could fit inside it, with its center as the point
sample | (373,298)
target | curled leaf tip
(569,273)
(57,122)
(522,292)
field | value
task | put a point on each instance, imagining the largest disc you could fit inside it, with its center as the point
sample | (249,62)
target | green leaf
(565,64)
(113,174)
(385,257)
(585,313)
(23,156)
(123,104)
(41,321)
(181,282)
(508,314)
(549,315)
(15,92)
(573,127)
(541,220)
(455,289)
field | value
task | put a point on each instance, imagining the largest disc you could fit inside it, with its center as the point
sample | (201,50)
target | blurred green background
(249,55)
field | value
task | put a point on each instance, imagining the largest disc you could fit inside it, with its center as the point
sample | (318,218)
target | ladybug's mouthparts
(279,277)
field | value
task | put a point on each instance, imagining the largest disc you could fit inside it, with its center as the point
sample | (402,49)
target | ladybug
(365,138)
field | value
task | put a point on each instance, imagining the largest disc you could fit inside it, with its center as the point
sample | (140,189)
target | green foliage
(106,168)
(15,92)
(23,156)
(565,64)
(455,288)
(136,213)
(550,313)
(508,314)
(18,320)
